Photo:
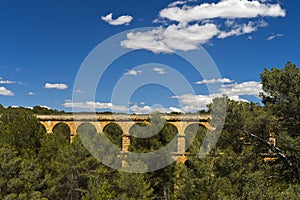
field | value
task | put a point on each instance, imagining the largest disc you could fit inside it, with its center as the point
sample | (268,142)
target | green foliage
(20,129)
(86,129)
(100,184)
(151,137)
(20,178)
(39,110)
(133,186)
(282,95)
(62,131)
(37,166)
(194,137)
(282,99)
(114,133)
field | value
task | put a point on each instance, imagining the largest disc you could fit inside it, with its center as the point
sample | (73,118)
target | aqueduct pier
(125,122)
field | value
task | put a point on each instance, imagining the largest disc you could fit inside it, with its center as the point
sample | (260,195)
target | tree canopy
(244,164)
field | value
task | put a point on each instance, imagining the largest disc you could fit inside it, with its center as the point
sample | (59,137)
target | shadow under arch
(167,134)
(114,133)
(43,128)
(160,139)
(194,137)
(62,131)
(86,129)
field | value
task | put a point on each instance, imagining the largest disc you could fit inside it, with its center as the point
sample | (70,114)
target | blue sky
(44,43)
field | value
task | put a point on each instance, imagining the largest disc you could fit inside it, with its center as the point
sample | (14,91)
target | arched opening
(160,139)
(43,128)
(169,133)
(194,137)
(62,131)
(86,129)
(114,132)
(138,144)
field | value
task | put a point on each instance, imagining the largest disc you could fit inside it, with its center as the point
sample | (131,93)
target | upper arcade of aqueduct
(125,121)
(100,121)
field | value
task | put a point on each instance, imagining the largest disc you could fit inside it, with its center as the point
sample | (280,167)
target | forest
(244,164)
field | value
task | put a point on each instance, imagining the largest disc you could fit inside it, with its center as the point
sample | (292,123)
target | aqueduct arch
(114,132)
(100,121)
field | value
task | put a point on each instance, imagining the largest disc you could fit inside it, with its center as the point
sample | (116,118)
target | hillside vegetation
(243,165)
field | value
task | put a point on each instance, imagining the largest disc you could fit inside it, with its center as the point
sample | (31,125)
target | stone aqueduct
(100,121)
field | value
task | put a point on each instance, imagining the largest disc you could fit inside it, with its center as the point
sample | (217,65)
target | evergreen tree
(282,99)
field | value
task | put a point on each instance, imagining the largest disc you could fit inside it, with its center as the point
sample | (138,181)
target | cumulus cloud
(186,27)
(174,37)
(31,93)
(244,88)
(147,109)
(159,70)
(240,29)
(212,81)
(176,3)
(133,72)
(2,81)
(273,36)
(58,86)
(90,105)
(150,40)
(192,102)
(188,102)
(121,20)
(144,109)
(6,92)
(79,91)
(227,9)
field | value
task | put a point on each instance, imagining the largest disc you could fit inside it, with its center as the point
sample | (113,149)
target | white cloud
(159,70)
(6,92)
(133,72)
(173,109)
(31,93)
(144,109)
(43,106)
(150,40)
(189,37)
(58,86)
(140,109)
(212,81)
(198,24)
(227,9)
(230,22)
(273,36)
(2,81)
(191,102)
(188,102)
(90,105)
(148,109)
(121,20)
(176,3)
(174,37)
(240,29)
(245,88)
(79,91)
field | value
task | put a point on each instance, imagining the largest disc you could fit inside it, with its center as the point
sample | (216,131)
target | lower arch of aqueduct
(100,121)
